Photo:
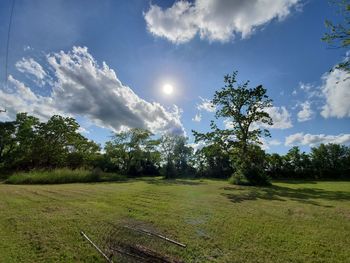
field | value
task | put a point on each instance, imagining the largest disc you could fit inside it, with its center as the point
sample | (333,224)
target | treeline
(326,161)
(28,144)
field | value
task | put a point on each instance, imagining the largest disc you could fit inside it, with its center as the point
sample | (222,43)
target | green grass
(61,176)
(288,222)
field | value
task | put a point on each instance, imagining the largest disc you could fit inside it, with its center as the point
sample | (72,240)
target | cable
(8,42)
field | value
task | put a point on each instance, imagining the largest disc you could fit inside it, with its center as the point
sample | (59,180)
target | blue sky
(190,45)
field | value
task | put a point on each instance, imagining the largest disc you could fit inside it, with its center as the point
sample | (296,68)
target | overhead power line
(8,42)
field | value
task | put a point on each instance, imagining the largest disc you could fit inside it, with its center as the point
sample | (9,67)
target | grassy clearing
(288,222)
(62,176)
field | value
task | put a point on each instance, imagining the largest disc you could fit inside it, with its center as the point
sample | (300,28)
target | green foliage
(242,107)
(326,161)
(257,176)
(62,176)
(212,161)
(133,152)
(338,35)
(27,143)
(238,178)
(176,156)
(331,161)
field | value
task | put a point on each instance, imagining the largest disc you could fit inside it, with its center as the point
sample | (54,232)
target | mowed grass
(288,222)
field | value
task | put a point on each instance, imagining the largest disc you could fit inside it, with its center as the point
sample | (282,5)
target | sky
(107,63)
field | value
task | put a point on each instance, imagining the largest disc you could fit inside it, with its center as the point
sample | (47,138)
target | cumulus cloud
(83,130)
(198,145)
(336,91)
(82,87)
(316,139)
(280,116)
(30,66)
(197,117)
(20,98)
(266,144)
(306,113)
(331,97)
(214,20)
(206,105)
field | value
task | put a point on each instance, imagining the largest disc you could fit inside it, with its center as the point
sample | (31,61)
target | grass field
(288,222)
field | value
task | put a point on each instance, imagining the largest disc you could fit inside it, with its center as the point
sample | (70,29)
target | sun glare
(168,89)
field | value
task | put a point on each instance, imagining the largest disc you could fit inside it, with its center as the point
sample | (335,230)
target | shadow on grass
(174,182)
(303,195)
(288,181)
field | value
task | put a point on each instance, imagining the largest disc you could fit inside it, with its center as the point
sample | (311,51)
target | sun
(168,89)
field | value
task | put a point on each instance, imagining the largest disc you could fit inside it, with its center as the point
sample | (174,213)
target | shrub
(61,176)
(257,176)
(250,176)
(237,178)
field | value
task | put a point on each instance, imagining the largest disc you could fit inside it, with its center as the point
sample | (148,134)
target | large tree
(338,35)
(244,111)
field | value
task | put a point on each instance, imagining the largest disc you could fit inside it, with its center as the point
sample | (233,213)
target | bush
(61,176)
(257,176)
(238,178)
(169,171)
(250,176)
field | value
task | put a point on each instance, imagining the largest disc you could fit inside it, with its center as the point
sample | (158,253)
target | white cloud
(175,23)
(83,130)
(306,113)
(336,90)
(315,139)
(198,146)
(214,20)
(227,123)
(274,142)
(308,90)
(206,105)
(20,98)
(332,96)
(266,144)
(83,88)
(197,117)
(30,66)
(280,117)
(305,86)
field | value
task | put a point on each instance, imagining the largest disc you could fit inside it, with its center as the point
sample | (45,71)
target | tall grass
(62,176)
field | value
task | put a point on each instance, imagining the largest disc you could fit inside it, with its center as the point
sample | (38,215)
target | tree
(27,143)
(7,142)
(176,155)
(339,34)
(24,134)
(297,164)
(57,140)
(213,161)
(242,107)
(275,166)
(330,160)
(130,149)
